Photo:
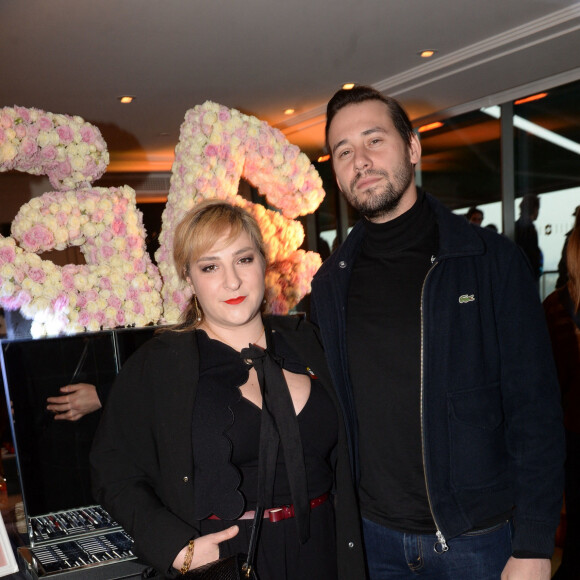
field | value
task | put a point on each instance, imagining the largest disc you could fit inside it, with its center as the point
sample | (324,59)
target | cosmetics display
(67,532)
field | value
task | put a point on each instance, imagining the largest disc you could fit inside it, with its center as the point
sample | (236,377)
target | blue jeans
(479,555)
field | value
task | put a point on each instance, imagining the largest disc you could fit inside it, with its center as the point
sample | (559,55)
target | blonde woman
(175,460)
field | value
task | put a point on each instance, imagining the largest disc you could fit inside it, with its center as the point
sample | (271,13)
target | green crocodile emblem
(465,298)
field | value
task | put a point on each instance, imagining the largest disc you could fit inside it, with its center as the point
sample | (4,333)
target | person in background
(175,459)
(562,308)
(562,267)
(438,348)
(474,216)
(526,235)
(76,401)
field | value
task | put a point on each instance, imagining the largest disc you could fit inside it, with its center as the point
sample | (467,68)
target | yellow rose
(7,288)
(93,326)
(43,139)
(110,313)
(61,237)
(90,230)
(105,204)
(7,152)
(81,283)
(7,271)
(210,118)
(54,138)
(119,244)
(78,163)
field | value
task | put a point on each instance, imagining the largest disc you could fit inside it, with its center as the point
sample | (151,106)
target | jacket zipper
(441,544)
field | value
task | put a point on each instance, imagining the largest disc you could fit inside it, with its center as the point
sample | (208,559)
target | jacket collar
(457,238)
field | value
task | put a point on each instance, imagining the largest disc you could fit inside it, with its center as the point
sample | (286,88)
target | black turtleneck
(384,352)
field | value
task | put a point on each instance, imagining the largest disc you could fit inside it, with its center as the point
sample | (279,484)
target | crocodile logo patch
(465,298)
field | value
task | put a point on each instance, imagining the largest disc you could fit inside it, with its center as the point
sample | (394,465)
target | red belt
(280,513)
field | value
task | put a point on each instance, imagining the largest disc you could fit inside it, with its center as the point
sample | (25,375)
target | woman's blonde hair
(198,231)
(573,263)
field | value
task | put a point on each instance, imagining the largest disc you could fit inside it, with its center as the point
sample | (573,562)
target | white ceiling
(262,56)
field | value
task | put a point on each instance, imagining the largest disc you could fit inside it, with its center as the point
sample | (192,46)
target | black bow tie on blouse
(279,424)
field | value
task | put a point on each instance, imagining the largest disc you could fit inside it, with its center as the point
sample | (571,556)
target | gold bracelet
(188,557)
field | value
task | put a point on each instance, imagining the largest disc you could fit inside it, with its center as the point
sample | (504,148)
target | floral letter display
(216,147)
(66,149)
(119,285)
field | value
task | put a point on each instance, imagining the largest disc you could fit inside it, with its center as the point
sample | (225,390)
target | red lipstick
(237,300)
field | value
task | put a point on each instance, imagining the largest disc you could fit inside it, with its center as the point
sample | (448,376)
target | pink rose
(61,218)
(120,318)
(63,169)
(120,206)
(7,254)
(44,123)
(114,301)
(267,151)
(211,151)
(90,167)
(105,283)
(37,275)
(107,252)
(65,133)
(60,303)
(48,152)
(91,295)
(20,131)
(87,134)
(118,227)
(38,237)
(23,113)
(133,241)
(5,120)
(84,318)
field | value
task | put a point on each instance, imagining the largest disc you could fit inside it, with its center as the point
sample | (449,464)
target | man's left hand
(527,569)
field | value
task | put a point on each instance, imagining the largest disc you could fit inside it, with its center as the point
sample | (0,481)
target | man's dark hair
(360,94)
(471,211)
(529,205)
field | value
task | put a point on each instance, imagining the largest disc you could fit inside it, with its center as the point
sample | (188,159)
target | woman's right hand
(206,548)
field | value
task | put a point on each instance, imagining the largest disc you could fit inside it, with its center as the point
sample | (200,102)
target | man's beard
(380,200)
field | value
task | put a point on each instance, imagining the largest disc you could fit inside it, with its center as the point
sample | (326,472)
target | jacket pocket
(477,438)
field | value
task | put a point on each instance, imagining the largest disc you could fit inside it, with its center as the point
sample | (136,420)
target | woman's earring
(197,308)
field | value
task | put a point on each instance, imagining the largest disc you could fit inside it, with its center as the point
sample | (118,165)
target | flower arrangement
(118,286)
(69,150)
(217,146)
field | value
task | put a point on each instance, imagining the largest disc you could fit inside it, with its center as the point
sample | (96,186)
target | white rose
(7,288)
(7,271)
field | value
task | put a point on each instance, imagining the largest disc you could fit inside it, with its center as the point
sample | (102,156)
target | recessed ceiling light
(348,86)
(126,99)
(430,127)
(289,111)
(535,97)
(428,53)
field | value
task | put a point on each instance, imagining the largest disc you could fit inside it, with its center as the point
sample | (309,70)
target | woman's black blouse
(226,426)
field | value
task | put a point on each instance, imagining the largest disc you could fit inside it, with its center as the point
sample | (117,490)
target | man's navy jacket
(490,408)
